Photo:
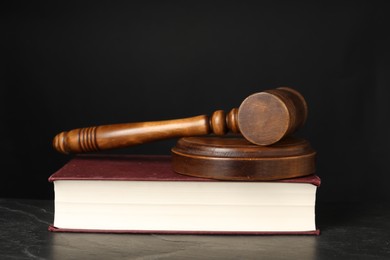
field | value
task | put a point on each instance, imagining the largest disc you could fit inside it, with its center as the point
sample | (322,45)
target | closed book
(142,194)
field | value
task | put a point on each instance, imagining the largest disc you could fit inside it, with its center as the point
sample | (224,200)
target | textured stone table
(353,231)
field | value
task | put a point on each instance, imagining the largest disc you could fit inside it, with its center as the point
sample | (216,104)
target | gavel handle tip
(59,143)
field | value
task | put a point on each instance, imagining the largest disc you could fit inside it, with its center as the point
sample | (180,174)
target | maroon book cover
(145,168)
(120,167)
(134,168)
(169,232)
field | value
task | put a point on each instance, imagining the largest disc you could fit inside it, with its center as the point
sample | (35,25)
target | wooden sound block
(236,159)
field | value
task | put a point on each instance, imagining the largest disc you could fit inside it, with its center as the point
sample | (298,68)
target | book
(142,194)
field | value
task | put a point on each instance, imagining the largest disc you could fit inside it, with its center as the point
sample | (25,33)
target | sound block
(236,159)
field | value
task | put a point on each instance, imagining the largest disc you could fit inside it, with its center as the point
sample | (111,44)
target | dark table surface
(348,231)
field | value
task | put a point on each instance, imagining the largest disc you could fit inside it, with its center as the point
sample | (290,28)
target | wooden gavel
(263,118)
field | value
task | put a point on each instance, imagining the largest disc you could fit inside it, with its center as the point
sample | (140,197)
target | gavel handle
(105,137)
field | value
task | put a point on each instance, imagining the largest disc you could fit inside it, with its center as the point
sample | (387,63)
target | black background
(69,65)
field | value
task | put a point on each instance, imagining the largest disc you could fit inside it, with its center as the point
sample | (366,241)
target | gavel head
(266,117)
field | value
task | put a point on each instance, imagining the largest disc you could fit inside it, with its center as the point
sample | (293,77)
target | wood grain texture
(266,117)
(234,158)
(263,119)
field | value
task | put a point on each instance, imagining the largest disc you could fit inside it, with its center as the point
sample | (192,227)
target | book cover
(135,168)
(146,168)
